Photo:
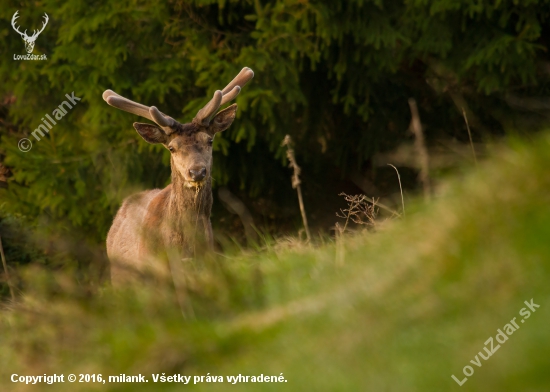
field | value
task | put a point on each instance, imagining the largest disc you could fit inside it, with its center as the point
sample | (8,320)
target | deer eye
(171,149)
(210,141)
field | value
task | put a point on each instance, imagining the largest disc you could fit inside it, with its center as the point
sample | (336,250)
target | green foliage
(335,75)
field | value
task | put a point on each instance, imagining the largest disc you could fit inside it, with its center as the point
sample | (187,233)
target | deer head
(190,144)
(29,41)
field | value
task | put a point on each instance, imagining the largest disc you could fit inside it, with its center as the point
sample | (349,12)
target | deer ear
(223,119)
(151,133)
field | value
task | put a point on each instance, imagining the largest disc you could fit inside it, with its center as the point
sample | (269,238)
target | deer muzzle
(197,174)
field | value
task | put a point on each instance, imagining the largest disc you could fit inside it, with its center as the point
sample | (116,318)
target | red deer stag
(176,219)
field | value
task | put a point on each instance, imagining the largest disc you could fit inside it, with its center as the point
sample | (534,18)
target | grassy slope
(403,310)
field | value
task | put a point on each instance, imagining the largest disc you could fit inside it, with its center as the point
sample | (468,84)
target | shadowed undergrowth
(403,310)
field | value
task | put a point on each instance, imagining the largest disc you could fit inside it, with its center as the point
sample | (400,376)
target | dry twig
(469,135)
(359,211)
(400,187)
(296,181)
(420,145)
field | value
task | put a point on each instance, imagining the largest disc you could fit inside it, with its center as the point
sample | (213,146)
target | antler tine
(125,104)
(203,116)
(240,80)
(108,93)
(222,97)
(160,118)
(150,113)
(230,95)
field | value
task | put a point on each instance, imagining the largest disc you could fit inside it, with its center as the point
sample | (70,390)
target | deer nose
(197,173)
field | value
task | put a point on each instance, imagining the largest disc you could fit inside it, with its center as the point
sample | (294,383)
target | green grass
(403,310)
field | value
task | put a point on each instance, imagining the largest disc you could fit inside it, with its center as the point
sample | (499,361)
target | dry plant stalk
(296,181)
(420,146)
(380,205)
(340,250)
(359,211)
(6,270)
(469,135)
(400,187)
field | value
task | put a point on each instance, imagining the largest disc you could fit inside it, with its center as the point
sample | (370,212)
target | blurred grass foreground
(403,308)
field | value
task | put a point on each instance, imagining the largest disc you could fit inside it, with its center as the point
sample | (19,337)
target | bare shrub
(361,210)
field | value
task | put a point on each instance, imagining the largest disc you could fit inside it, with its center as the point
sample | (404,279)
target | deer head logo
(29,41)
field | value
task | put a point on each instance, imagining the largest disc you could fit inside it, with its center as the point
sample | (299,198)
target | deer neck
(184,200)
